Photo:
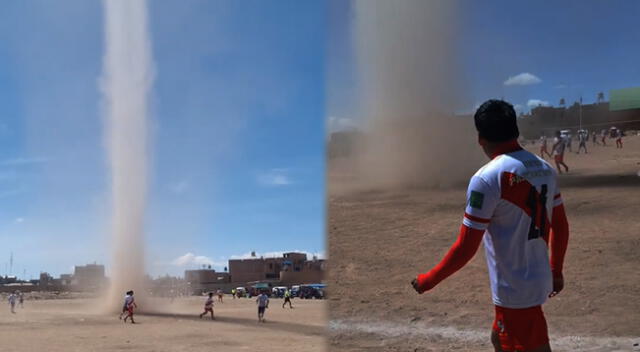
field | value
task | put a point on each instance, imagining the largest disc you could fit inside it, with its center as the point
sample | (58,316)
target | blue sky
(576,48)
(237,126)
(565,49)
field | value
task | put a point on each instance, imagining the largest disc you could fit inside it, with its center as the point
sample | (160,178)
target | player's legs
(495,340)
(520,330)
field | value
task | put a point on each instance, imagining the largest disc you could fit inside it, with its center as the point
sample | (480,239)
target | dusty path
(378,240)
(72,325)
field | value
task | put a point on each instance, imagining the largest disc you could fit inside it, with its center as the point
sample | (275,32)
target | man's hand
(416,286)
(558,284)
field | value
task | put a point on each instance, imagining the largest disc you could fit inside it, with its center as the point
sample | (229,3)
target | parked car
(278,291)
(258,288)
(312,291)
(295,291)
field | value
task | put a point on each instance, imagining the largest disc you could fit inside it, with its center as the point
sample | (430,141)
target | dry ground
(379,240)
(74,325)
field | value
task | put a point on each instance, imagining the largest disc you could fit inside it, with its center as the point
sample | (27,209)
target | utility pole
(580,113)
(11,264)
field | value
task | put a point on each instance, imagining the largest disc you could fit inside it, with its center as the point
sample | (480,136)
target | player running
(619,139)
(263,304)
(543,147)
(130,304)
(514,205)
(582,138)
(208,307)
(558,152)
(287,298)
(12,302)
(220,295)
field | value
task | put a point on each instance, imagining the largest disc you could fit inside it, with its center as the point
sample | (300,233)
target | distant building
(622,111)
(89,277)
(291,268)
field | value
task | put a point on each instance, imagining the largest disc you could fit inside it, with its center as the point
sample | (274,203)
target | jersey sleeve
(557,198)
(482,200)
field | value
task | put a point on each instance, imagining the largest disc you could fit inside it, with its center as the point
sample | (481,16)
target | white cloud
(191,259)
(275,177)
(522,79)
(532,103)
(560,86)
(179,187)
(19,220)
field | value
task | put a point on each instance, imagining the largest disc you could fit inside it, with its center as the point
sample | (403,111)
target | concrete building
(89,277)
(203,280)
(292,268)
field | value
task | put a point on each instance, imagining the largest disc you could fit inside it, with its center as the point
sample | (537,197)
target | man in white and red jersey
(514,205)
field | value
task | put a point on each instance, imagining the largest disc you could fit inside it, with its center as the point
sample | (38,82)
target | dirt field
(70,325)
(378,241)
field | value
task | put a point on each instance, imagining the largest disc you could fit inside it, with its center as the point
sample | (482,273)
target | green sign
(624,99)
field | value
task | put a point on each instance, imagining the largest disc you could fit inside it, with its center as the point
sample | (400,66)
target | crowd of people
(562,142)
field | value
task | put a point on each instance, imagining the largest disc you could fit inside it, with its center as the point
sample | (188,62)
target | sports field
(379,240)
(75,325)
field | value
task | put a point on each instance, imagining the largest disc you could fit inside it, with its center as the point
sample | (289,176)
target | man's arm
(558,241)
(458,256)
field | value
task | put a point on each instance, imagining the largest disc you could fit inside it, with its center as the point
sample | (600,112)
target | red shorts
(208,309)
(520,329)
(558,158)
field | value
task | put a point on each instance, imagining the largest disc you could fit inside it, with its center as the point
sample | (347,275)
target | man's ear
(482,141)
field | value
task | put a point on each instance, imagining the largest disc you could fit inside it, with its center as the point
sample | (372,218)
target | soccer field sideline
(390,329)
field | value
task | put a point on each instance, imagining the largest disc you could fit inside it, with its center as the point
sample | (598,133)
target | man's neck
(505,148)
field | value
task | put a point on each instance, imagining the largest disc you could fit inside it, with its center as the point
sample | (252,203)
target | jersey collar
(506,147)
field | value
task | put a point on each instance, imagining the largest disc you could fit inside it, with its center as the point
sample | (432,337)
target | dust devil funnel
(408,89)
(126,80)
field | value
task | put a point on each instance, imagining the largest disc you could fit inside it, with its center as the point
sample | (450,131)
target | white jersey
(263,300)
(503,198)
(561,144)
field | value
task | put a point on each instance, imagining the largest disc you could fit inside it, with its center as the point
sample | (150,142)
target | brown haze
(409,85)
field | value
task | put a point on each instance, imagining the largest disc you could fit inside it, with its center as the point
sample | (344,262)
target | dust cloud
(127,79)
(408,86)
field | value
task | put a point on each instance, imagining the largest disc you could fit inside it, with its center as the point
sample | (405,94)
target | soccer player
(514,205)
(130,303)
(287,299)
(558,152)
(127,299)
(263,304)
(12,302)
(603,134)
(220,295)
(582,137)
(208,307)
(543,146)
(619,139)
(21,299)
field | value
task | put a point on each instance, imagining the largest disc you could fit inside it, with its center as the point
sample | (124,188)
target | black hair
(496,121)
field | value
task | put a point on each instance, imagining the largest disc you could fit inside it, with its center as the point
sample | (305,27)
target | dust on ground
(77,325)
